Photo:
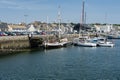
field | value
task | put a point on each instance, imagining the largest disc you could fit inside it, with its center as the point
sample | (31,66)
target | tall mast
(85,18)
(47,30)
(82,17)
(106,18)
(47,23)
(59,20)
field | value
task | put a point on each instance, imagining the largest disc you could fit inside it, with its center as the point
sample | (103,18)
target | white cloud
(25,5)
(7,2)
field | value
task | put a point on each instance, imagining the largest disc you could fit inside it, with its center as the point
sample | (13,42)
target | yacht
(105,43)
(83,42)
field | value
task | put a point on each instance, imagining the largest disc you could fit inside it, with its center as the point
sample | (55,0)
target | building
(82,27)
(3,26)
(31,28)
(16,28)
(103,28)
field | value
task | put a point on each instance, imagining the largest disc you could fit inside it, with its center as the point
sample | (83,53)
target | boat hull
(52,45)
(65,44)
(87,44)
(83,43)
(113,37)
(105,44)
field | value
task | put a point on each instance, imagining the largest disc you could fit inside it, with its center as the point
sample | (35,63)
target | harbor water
(70,63)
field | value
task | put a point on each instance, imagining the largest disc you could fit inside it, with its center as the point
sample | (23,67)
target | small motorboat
(105,44)
(83,42)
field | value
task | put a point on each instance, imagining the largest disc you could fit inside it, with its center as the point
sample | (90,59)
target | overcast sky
(97,11)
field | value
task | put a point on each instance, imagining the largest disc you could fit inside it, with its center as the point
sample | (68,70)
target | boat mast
(47,36)
(85,21)
(82,17)
(47,29)
(59,20)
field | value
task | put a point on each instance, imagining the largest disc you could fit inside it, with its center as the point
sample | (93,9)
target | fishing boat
(102,41)
(105,43)
(52,45)
(86,44)
(83,42)
(113,36)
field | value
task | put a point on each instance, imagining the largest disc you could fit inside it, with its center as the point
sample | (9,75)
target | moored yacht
(105,43)
(102,41)
(83,42)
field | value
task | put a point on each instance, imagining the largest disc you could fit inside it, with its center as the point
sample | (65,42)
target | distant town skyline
(97,11)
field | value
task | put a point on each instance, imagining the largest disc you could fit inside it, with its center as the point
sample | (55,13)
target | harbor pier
(10,44)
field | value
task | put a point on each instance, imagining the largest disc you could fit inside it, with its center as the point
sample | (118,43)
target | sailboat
(63,41)
(83,41)
(58,43)
(49,44)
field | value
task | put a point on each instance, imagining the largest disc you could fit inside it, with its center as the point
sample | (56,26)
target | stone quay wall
(11,44)
(14,42)
(23,42)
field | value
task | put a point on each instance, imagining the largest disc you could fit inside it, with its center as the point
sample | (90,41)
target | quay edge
(10,44)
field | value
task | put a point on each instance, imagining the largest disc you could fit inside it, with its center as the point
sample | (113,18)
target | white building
(104,28)
(31,28)
(16,28)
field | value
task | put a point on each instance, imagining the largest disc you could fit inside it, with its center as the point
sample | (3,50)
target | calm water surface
(72,63)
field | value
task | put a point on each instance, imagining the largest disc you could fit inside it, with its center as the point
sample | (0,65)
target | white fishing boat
(52,45)
(83,42)
(105,43)
(86,44)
